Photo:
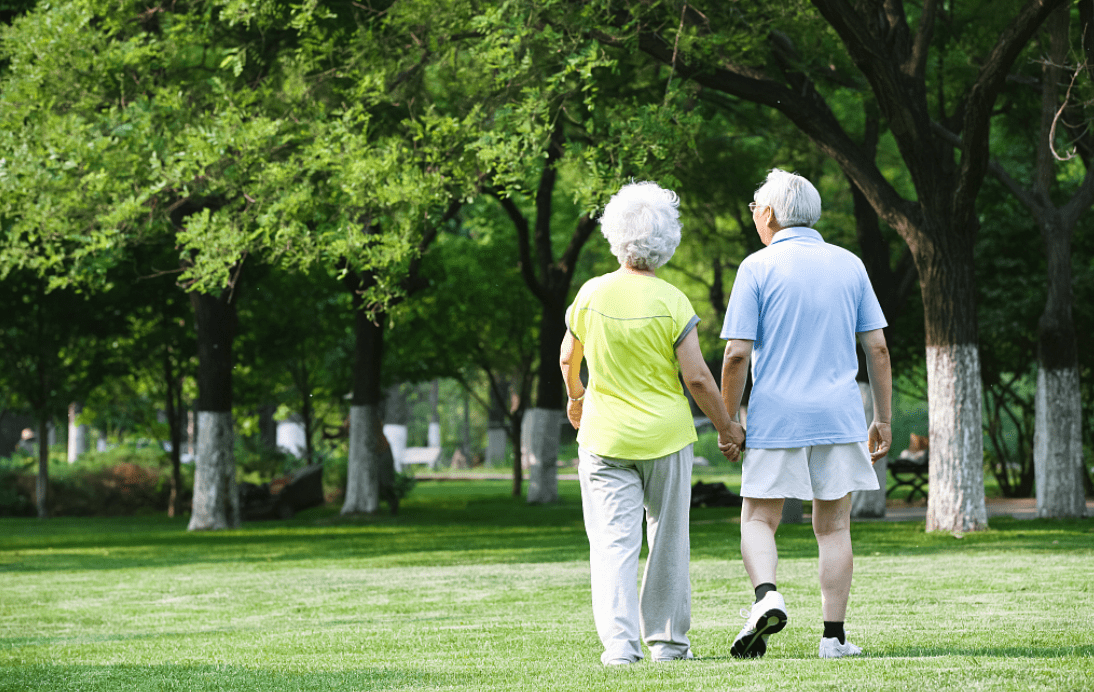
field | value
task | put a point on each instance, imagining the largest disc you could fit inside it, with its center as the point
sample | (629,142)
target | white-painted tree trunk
(496,441)
(362,472)
(78,435)
(396,436)
(870,503)
(539,451)
(216,497)
(1058,444)
(956,478)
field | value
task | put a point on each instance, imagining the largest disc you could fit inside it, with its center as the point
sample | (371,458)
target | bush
(16,494)
(121,489)
(129,479)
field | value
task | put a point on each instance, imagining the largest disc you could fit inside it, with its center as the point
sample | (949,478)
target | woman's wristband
(573,399)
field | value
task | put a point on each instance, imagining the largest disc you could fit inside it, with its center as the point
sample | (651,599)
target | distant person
(636,431)
(796,308)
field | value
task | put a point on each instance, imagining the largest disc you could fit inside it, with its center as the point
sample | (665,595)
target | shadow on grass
(195,678)
(465,523)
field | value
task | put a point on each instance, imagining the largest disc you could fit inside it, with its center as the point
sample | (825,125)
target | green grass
(469,589)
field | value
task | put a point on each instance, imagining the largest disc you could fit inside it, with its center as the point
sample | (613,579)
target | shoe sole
(755,645)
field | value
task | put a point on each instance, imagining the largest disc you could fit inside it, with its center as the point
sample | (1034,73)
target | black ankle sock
(835,629)
(763,589)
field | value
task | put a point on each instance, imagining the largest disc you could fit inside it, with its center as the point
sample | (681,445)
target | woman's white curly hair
(642,225)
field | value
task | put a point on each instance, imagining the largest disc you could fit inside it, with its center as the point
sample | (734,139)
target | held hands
(732,442)
(880,440)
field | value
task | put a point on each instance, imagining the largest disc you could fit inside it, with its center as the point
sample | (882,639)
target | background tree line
(337,196)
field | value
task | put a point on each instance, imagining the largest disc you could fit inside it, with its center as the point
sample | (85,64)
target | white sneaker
(766,617)
(831,648)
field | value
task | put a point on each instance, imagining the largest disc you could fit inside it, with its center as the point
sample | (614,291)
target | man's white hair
(642,225)
(793,199)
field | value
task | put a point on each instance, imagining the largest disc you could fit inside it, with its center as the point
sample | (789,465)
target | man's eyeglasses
(753,206)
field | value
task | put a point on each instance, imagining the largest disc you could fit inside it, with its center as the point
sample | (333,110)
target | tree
(1057,440)
(56,350)
(124,123)
(781,57)
(295,341)
(563,102)
(475,316)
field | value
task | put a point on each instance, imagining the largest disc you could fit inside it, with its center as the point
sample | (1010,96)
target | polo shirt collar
(796,232)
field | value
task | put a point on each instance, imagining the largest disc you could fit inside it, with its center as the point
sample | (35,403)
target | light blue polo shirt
(801,302)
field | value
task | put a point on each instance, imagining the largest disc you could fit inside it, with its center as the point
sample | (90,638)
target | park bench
(910,470)
(428,456)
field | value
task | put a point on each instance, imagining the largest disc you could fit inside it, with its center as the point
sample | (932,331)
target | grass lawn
(469,589)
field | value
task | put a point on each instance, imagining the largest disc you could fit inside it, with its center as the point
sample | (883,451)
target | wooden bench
(911,471)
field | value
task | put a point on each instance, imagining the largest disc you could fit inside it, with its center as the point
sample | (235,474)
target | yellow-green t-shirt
(630,326)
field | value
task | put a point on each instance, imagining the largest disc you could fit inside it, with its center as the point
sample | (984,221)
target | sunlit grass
(469,589)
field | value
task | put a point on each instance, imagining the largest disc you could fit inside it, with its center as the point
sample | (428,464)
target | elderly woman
(636,431)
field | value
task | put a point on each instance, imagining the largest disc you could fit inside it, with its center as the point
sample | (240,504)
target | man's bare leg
(759,519)
(832,526)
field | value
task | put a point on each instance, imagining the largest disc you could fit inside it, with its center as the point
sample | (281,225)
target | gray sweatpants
(614,493)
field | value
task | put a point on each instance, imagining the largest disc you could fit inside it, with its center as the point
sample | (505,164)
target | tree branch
(803,106)
(524,249)
(980,100)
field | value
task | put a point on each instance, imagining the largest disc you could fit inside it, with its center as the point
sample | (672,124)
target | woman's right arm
(701,384)
(570,361)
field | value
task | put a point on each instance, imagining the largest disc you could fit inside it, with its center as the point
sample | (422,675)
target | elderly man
(795,310)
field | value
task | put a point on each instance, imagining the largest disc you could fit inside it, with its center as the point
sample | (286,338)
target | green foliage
(257,463)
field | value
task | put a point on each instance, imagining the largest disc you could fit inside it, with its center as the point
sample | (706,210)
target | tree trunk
(956,499)
(1057,437)
(307,415)
(362,472)
(77,434)
(42,483)
(216,496)
(174,409)
(552,329)
(539,445)
(515,436)
(363,469)
(216,499)
(465,433)
(433,437)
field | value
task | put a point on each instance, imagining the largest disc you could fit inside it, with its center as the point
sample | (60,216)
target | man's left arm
(881,385)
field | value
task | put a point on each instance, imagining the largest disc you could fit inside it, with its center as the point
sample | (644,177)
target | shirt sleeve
(743,314)
(685,319)
(870,315)
(573,313)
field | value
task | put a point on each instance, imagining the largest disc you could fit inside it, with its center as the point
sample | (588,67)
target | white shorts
(821,472)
